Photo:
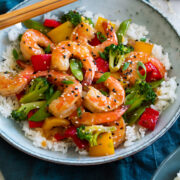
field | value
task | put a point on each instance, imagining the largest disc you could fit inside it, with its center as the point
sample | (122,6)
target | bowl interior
(160,32)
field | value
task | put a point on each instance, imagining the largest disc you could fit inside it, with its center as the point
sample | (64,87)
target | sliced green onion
(76,69)
(15,54)
(79,112)
(31,24)
(104,77)
(67,82)
(143,39)
(123,29)
(140,64)
(126,65)
(48,49)
(101,37)
(102,55)
(104,92)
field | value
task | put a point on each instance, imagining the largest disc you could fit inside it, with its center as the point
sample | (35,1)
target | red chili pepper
(72,133)
(152,73)
(95,41)
(33,124)
(102,65)
(41,62)
(149,119)
(51,23)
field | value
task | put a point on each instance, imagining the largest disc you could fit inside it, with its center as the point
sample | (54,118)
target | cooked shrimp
(119,134)
(89,119)
(31,43)
(95,101)
(12,85)
(67,49)
(83,33)
(133,58)
(65,105)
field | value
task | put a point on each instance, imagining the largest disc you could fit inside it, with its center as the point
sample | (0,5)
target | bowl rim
(105,159)
(163,163)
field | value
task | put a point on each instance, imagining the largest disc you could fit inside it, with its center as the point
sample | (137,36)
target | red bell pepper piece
(51,23)
(95,41)
(72,133)
(149,119)
(102,65)
(152,73)
(20,95)
(33,124)
(41,62)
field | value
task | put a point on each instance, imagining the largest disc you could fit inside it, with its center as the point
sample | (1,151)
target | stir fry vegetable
(36,91)
(91,133)
(76,69)
(42,113)
(143,47)
(103,78)
(122,30)
(149,118)
(72,16)
(75,18)
(116,53)
(51,23)
(21,113)
(104,146)
(31,24)
(61,33)
(141,94)
(41,62)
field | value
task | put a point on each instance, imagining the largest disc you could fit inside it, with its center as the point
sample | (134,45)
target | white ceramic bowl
(161,32)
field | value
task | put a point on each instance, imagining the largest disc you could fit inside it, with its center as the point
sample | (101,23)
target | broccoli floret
(140,94)
(36,91)
(91,133)
(75,18)
(138,97)
(115,54)
(21,113)
(72,16)
(116,50)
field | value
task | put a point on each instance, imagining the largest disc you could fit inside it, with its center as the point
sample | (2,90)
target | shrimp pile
(97,99)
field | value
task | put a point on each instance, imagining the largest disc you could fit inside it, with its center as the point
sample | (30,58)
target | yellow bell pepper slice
(52,123)
(105,146)
(61,33)
(143,47)
(99,26)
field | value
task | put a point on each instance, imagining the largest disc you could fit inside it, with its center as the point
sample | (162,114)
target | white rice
(7,105)
(178,176)
(40,141)
(50,16)
(14,32)
(133,133)
(167,94)
(157,51)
